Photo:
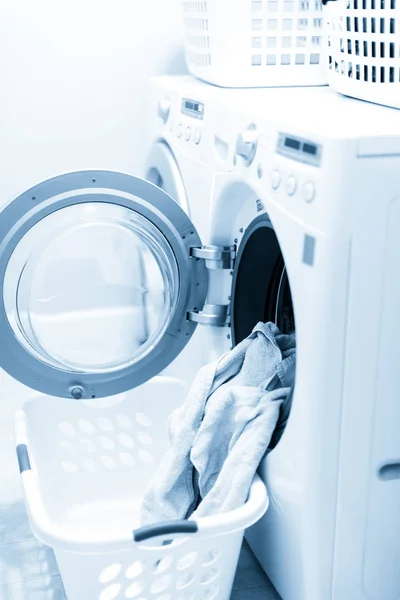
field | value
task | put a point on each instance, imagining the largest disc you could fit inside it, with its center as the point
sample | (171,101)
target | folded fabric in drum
(222,431)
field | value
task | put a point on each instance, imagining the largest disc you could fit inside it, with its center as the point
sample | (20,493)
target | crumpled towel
(222,431)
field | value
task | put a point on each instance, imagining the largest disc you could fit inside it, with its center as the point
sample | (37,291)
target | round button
(275,179)
(309,191)
(291,185)
(197,136)
(188,133)
(179,130)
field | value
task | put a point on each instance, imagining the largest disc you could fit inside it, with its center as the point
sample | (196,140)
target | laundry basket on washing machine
(255,43)
(364,49)
(83,473)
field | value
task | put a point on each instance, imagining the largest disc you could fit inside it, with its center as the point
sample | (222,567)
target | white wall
(73,83)
(73,87)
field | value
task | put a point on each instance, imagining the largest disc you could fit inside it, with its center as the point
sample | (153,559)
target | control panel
(299,149)
(190,129)
(183,116)
(292,184)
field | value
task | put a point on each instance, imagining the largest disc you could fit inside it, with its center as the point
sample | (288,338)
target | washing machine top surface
(319,111)
(185,83)
(315,111)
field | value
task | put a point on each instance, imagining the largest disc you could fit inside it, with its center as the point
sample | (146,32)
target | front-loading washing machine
(183,159)
(313,209)
(304,231)
(185,152)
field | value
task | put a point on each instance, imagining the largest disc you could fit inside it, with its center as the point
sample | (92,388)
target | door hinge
(216,257)
(216,315)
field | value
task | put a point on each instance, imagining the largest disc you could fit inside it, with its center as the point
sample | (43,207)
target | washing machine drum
(261,292)
(97,280)
(261,289)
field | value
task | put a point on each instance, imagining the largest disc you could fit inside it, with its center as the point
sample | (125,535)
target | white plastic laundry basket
(83,472)
(255,43)
(364,49)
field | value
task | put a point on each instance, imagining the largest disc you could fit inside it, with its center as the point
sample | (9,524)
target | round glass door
(70,299)
(97,283)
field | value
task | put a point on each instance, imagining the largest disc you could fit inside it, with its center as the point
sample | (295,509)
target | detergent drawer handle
(164,528)
(23,458)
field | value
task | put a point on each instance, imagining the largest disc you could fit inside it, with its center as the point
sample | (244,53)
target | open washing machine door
(162,170)
(77,322)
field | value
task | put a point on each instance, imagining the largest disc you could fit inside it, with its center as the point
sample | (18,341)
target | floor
(28,571)
(251,583)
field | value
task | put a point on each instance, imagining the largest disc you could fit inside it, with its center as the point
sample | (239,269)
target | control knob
(164,107)
(246,144)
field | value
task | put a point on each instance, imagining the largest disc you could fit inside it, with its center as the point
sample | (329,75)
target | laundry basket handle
(23,458)
(164,528)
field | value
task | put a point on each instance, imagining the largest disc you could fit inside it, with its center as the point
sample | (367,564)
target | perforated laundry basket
(255,43)
(364,49)
(83,472)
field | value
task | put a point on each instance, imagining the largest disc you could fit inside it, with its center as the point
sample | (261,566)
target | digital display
(189,105)
(299,149)
(310,149)
(291,143)
(192,108)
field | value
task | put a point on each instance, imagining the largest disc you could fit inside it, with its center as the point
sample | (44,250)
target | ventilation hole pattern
(268,18)
(160,584)
(106,443)
(364,42)
(69,467)
(162,565)
(67,429)
(185,580)
(279,29)
(209,576)
(211,593)
(187,561)
(110,573)
(172,576)
(135,569)
(197,40)
(110,592)
(105,424)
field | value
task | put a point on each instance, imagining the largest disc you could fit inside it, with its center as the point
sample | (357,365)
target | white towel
(222,431)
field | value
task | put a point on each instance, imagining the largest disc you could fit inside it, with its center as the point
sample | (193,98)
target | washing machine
(185,152)
(313,210)
(183,159)
(303,231)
